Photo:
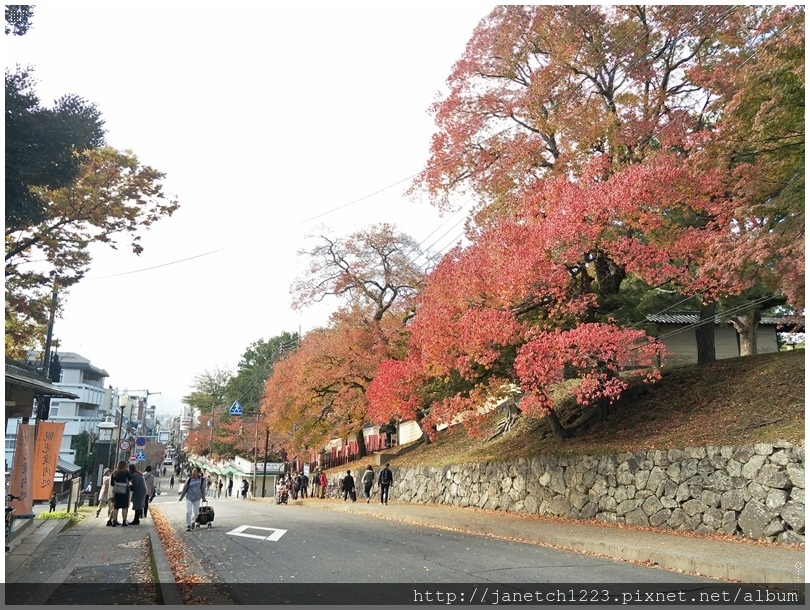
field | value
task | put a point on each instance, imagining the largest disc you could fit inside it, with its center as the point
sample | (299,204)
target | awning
(66,467)
(39,386)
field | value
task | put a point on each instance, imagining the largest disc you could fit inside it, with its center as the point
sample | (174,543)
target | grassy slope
(730,402)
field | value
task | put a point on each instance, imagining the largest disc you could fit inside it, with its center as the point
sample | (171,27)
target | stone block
(790,537)
(695,453)
(763,448)
(674,472)
(705,467)
(641,479)
(793,515)
(674,455)
(753,519)
(661,517)
(578,500)
(776,499)
(771,475)
(710,498)
(660,458)
(626,506)
(734,468)
(637,517)
(744,453)
(797,495)
(732,500)
(780,458)
(607,504)
(688,468)
(757,491)
(652,505)
(795,474)
(773,528)
(559,507)
(668,502)
(607,465)
(726,451)
(693,507)
(677,518)
(752,466)
(713,517)
(589,510)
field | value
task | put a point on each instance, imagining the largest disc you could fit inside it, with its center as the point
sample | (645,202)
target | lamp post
(103,451)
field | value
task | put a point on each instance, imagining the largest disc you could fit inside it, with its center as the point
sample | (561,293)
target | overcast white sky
(263,117)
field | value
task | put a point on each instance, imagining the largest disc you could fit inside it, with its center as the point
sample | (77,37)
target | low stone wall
(753,490)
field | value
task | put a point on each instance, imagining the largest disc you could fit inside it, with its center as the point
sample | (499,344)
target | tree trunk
(704,334)
(361,444)
(556,427)
(746,326)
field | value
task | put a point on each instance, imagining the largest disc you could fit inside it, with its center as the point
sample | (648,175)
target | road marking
(274,537)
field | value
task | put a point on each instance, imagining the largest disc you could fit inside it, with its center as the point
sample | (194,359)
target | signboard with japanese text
(46,455)
(22,470)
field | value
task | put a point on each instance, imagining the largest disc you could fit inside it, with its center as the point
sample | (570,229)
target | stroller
(282,495)
(206,516)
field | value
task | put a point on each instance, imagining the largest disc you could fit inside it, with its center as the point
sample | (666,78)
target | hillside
(730,402)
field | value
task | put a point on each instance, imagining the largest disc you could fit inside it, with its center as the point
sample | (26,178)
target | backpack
(385,476)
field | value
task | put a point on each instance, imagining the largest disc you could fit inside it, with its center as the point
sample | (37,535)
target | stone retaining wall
(753,490)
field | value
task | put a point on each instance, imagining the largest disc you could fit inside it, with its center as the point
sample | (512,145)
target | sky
(272,123)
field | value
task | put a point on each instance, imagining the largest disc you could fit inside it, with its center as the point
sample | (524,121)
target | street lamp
(104,450)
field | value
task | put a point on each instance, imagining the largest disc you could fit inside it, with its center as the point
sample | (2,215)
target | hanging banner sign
(46,455)
(21,482)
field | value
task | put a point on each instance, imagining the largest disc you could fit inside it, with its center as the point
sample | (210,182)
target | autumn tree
(18,18)
(114,198)
(319,392)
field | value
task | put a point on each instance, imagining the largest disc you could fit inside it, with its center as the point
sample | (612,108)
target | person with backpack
(385,480)
(348,487)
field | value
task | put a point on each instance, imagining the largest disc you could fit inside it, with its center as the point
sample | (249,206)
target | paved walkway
(51,561)
(740,561)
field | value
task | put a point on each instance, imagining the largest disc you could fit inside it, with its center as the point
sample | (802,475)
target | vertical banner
(21,482)
(49,440)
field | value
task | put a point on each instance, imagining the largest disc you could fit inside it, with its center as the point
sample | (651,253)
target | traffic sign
(140,441)
(124,445)
(140,456)
(236,408)
(131,458)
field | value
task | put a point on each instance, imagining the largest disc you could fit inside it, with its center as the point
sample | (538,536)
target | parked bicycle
(10,516)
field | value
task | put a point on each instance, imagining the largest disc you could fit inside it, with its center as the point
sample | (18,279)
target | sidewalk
(740,561)
(87,562)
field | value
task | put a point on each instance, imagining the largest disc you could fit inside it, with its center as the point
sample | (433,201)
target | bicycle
(10,518)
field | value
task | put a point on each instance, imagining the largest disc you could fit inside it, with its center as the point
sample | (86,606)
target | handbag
(121,488)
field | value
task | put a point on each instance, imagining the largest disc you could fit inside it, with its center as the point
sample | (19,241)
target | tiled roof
(686,317)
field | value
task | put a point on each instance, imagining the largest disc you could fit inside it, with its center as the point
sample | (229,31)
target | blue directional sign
(236,408)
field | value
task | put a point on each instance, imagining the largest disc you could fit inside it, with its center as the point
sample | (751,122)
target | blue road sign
(140,456)
(236,408)
(140,441)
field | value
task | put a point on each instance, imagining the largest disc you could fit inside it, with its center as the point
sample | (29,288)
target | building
(677,333)
(84,403)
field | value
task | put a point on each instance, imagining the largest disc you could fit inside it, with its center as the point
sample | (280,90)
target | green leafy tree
(43,146)
(255,366)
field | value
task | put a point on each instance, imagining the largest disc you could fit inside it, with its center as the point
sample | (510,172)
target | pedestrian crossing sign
(140,456)
(236,408)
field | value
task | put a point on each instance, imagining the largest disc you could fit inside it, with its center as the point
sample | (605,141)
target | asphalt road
(256,542)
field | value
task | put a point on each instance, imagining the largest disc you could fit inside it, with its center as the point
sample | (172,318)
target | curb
(168,591)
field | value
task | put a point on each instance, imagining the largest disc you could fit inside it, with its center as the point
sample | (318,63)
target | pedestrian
(104,494)
(120,480)
(316,483)
(230,487)
(296,486)
(244,489)
(385,480)
(323,481)
(193,492)
(171,482)
(219,488)
(149,479)
(304,484)
(348,487)
(53,503)
(164,471)
(138,493)
(368,482)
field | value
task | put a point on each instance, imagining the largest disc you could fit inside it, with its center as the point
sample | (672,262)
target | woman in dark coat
(138,493)
(120,482)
